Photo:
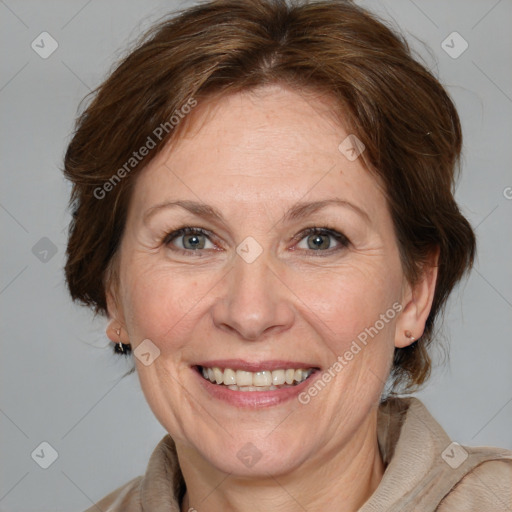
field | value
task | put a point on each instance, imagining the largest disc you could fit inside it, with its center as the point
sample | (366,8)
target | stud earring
(409,335)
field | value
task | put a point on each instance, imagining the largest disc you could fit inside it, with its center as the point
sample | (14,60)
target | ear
(417,302)
(116,328)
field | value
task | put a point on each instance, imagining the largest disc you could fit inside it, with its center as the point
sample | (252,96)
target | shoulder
(124,499)
(486,487)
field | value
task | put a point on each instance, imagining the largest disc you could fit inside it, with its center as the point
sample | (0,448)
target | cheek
(347,302)
(155,305)
(163,304)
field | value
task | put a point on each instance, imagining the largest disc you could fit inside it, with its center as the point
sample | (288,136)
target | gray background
(60,381)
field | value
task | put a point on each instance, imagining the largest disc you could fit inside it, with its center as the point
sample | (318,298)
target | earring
(120,345)
(409,335)
(121,348)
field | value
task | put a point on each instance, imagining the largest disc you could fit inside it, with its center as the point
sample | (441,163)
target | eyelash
(339,237)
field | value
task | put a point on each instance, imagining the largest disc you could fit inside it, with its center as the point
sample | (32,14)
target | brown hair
(392,103)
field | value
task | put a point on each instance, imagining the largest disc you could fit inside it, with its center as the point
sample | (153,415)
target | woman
(263,208)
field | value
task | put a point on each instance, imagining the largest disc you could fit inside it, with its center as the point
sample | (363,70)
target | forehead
(264,148)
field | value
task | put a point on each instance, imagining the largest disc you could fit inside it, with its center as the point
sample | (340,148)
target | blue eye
(321,239)
(191,239)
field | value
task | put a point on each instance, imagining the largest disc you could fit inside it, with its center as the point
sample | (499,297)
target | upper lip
(255,366)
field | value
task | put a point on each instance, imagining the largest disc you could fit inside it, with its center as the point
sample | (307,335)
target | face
(277,254)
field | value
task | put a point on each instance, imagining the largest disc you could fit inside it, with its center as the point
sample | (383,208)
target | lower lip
(255,399)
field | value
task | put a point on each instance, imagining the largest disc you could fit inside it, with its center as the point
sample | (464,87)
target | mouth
(254,385)
(268,377)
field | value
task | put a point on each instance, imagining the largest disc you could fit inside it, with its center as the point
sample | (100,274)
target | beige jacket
(425,472)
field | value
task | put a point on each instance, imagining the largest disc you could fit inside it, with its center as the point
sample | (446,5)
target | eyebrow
(296,212)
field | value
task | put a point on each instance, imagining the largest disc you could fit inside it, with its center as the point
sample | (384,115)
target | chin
(257,454)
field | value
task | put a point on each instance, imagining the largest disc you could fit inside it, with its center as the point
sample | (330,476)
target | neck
(346,475)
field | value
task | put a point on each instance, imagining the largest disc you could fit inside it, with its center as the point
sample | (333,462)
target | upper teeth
(264,378)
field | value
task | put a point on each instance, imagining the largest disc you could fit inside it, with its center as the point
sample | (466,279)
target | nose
(254,302)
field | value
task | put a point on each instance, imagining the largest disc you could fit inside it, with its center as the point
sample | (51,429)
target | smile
(265,380)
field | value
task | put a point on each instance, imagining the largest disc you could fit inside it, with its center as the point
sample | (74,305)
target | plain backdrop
(60,382)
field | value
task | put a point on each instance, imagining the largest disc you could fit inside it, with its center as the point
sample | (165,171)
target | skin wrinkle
(284,305)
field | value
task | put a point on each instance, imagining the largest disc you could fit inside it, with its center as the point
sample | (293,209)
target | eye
(189,239)
(322,240)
